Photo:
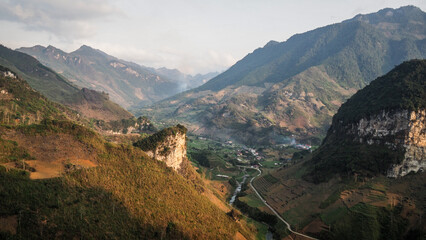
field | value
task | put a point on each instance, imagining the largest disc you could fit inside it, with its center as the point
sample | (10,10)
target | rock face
(379,130)
(167,145)
(414,144)
(172,151)
(396,130)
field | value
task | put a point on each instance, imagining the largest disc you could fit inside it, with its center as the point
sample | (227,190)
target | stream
(237,190)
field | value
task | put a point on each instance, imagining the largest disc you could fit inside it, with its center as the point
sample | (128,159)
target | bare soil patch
(54,154)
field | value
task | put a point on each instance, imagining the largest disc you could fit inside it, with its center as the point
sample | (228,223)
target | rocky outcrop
(172,151)
(415,146)
(396,130)
(167,145)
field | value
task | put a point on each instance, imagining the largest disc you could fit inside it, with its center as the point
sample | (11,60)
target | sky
(194,36)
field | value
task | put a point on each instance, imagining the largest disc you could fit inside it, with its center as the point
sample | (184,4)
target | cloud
(63,18)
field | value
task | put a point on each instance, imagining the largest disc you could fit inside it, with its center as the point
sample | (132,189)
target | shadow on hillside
(53,208)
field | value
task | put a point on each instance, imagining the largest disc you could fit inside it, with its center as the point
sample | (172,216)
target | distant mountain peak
(51,47)
(390,15)
(271,43)
(85,47)
(87,50)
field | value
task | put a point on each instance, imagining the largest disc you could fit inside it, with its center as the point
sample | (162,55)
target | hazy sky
(194,36)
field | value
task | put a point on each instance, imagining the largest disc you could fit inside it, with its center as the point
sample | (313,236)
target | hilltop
(294,87)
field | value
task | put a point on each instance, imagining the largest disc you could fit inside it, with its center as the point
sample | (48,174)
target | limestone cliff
(399,131)
(414,144)
(172,151)
(167,145)
(379,130)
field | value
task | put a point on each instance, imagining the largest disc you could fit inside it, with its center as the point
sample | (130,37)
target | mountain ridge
(59,89)
(129,84)
(344,57)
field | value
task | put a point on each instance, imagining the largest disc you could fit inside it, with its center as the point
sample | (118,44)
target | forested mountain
(295,86)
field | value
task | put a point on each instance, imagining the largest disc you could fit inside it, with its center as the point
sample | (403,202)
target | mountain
(90,103)
(366,180)
(379,130)
(295,87)
(59,179)
(127,83)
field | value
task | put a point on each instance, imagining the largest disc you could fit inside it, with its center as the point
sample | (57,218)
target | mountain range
(294,87)
(90,103)
(128,84)
(61,178)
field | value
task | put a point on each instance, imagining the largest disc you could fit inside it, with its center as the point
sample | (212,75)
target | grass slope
(124,195)
(127,196)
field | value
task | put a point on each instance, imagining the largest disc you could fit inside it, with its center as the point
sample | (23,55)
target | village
(220,159)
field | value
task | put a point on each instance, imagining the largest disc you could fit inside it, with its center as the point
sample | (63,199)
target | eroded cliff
(379,130)
(172,151)
(398,131)
(167,145)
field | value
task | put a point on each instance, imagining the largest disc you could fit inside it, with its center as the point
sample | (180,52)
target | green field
(252,200)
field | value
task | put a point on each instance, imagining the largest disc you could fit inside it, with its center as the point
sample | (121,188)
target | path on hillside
(272,209)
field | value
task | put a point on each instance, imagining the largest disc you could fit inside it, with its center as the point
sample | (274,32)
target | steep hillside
(20,104)
(90,103)
(102,190)
(297,85)
(127,83)
(366,180)
(379,130)
(59,179)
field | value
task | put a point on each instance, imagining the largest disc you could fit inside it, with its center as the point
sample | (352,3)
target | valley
(319,136)
(296,86)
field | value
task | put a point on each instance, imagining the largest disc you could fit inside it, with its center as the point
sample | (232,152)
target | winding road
(273,210)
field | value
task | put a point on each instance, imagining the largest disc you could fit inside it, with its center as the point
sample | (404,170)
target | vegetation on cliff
(403,88)
(152,142)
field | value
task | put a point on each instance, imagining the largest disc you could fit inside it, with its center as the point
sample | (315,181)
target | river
(238,189)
